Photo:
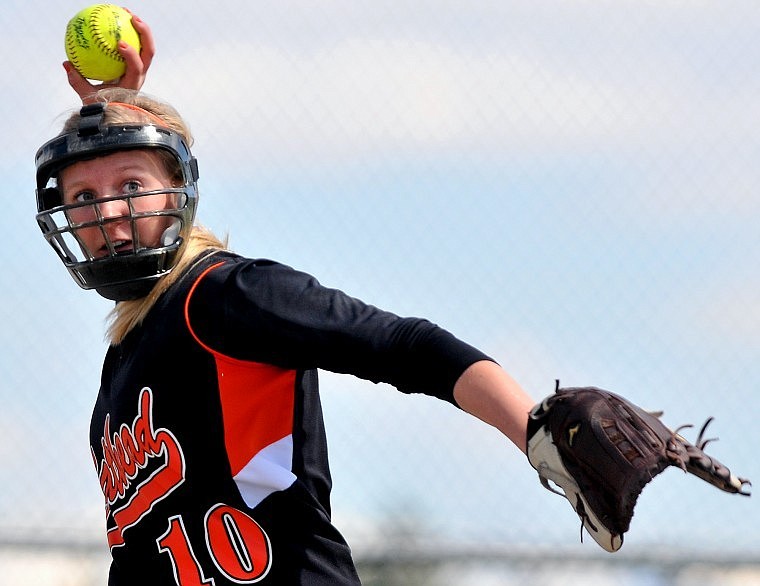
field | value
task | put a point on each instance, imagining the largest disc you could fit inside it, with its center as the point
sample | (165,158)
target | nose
(117,208)
(99,210)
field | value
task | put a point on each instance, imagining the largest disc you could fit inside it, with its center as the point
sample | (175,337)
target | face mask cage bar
(118,271)
(63,225)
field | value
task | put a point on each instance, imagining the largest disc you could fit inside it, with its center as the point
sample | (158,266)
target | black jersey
(208,436)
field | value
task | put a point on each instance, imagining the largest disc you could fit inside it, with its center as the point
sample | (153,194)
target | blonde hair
(129,314)
(138,108)
(130,107)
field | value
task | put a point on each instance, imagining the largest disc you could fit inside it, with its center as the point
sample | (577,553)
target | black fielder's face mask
(125,263)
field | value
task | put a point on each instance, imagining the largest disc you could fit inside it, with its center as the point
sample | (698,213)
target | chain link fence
(571,186)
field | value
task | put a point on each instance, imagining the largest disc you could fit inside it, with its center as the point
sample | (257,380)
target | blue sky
(572,186)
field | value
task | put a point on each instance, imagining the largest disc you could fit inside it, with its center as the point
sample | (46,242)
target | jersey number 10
(238,545)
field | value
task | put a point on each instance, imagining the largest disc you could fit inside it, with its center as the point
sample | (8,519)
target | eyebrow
(121,169)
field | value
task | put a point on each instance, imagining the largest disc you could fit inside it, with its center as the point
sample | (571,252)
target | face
(120,173)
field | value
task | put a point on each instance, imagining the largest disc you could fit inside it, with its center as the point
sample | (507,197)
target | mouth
(119,247)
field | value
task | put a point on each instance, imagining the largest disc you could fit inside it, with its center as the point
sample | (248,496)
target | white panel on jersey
(267,472)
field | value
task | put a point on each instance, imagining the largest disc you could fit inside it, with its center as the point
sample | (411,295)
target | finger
(147,42)
(79,84)
(134,74)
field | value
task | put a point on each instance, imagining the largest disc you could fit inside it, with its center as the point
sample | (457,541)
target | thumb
(84,89)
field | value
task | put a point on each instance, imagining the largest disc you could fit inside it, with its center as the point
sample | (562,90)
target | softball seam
(97,35)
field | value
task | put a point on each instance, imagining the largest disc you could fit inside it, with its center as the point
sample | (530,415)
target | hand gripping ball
(92,36)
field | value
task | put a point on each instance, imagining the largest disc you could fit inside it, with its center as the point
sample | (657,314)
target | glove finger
(700,464)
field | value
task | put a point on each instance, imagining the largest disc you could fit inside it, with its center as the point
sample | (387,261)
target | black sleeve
(266,312)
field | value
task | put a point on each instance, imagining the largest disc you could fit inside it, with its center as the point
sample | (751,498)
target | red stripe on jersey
(257,399)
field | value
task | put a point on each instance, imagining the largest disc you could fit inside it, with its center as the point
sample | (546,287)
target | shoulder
(235,284)
(233,271)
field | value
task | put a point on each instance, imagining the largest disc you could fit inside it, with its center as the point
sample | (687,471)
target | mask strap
(90,118)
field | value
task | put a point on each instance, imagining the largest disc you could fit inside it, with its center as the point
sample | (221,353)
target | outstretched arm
(486,391)
(137,64)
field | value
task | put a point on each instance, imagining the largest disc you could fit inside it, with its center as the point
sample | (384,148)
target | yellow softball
(91,39)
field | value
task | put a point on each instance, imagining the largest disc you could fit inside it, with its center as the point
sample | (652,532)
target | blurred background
(571,186)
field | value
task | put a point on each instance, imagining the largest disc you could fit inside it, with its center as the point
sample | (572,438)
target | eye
(83,196)
(131,186)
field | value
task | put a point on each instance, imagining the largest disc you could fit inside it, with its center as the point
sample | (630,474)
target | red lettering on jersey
(125,454)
